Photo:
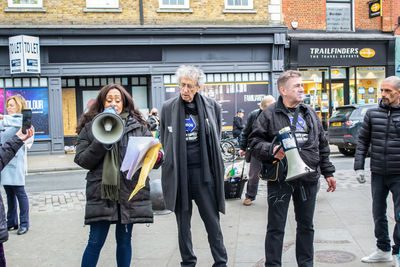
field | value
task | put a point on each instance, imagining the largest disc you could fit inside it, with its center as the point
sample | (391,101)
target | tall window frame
(25,3)
(102,3)
(174,4)
(339,15)
(239,4)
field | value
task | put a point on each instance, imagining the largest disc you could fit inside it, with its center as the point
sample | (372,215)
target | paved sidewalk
(57,236)
(343,223)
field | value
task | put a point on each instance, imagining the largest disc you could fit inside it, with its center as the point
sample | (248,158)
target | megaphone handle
(108,147)
(276,151)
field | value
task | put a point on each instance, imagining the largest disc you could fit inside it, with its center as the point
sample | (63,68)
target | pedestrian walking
(154,122)
(381,131)
(238,125)
(107,189)
(314,151)
(255,164)
(190,133)
(13,175)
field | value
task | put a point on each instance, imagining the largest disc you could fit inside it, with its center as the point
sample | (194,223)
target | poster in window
(224,94)
(37,100)
(69,111)
(2,110)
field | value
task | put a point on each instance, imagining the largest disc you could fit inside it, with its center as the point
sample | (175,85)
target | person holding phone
(13,175)
(8,150)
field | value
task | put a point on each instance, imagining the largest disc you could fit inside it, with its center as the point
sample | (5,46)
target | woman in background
(107,189)
(13,175)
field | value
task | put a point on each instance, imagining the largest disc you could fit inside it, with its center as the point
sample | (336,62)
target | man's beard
(385,101)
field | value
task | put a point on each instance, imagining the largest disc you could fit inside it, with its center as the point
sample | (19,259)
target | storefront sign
(375,8)
(341,53)
(24,54)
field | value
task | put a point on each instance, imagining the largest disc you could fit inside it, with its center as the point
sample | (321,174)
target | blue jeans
(97,237)
(380,187)
(15,192)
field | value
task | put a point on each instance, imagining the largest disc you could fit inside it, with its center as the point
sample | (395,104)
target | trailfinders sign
(341,53)
(24,54)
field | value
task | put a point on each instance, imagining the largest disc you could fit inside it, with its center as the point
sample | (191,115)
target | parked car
(344,126)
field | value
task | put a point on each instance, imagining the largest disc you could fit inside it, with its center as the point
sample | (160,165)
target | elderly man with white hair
(193,169)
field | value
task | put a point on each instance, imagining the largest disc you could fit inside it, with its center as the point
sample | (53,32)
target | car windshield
(343,112)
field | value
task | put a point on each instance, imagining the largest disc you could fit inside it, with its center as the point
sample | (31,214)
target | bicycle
(229,147)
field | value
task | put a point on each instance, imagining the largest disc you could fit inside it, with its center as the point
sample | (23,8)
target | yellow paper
(148,164)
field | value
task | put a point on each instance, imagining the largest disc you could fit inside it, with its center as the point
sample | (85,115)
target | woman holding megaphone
(107,190)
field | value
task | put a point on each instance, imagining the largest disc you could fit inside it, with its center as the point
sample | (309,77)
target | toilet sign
(24,54)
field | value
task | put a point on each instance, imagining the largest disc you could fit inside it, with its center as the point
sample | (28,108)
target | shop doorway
(339,93)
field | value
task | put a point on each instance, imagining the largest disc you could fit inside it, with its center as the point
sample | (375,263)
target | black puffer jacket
(7,153)
(90,155)
(381,130)
(248,129)
(315,152)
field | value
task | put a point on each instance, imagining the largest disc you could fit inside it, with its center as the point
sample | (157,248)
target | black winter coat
(7,153)
(237,126)
(315,152)
(251,119)
(90,155)
(381,130)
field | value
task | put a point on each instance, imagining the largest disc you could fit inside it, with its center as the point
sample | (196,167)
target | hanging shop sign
(339,53)
(24,54)
(375,8)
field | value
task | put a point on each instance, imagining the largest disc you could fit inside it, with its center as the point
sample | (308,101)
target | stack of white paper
(136,152)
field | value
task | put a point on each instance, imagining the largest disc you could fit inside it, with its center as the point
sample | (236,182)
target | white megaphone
(108,127)
(296,166)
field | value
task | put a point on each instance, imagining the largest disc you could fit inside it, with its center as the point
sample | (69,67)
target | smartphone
(26,120)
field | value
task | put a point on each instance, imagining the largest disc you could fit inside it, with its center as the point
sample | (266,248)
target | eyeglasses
(188,86)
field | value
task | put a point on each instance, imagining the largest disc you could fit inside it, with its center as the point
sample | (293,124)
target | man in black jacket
(381,131)
(314,151)
(255,164)
(238,125)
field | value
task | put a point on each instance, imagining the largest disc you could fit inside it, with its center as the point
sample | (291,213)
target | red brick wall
(311,15)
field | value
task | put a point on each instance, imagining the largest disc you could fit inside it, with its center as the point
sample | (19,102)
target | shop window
(174,3)
(339,15)
(102,3)
(25,3)
(369,80)
(238,4)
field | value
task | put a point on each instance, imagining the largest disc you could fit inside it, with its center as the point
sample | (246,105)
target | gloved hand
(360,175)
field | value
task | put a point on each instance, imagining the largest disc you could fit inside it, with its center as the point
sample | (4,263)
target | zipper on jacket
(386,139)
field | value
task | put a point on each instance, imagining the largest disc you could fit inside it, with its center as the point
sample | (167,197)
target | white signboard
(24,54)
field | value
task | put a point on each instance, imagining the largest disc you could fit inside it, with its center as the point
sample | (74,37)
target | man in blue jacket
(381,131)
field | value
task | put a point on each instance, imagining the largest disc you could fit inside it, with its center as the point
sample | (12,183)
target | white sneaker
(396,260)
(378,256)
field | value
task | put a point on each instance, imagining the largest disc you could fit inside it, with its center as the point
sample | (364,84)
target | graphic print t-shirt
(301,127)
(192,137)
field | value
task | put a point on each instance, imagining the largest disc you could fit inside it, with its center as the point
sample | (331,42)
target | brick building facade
(343,48)
(87,44)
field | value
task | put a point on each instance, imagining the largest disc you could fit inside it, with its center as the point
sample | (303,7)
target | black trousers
(279,195)
(204,196)
(380,187)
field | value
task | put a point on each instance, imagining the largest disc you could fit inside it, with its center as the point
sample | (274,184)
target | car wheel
(347,151)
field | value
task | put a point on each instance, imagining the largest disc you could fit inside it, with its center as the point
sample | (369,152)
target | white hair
(191,72)
(266,101)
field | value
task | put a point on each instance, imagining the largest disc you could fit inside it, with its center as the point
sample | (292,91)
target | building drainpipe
(141,12)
